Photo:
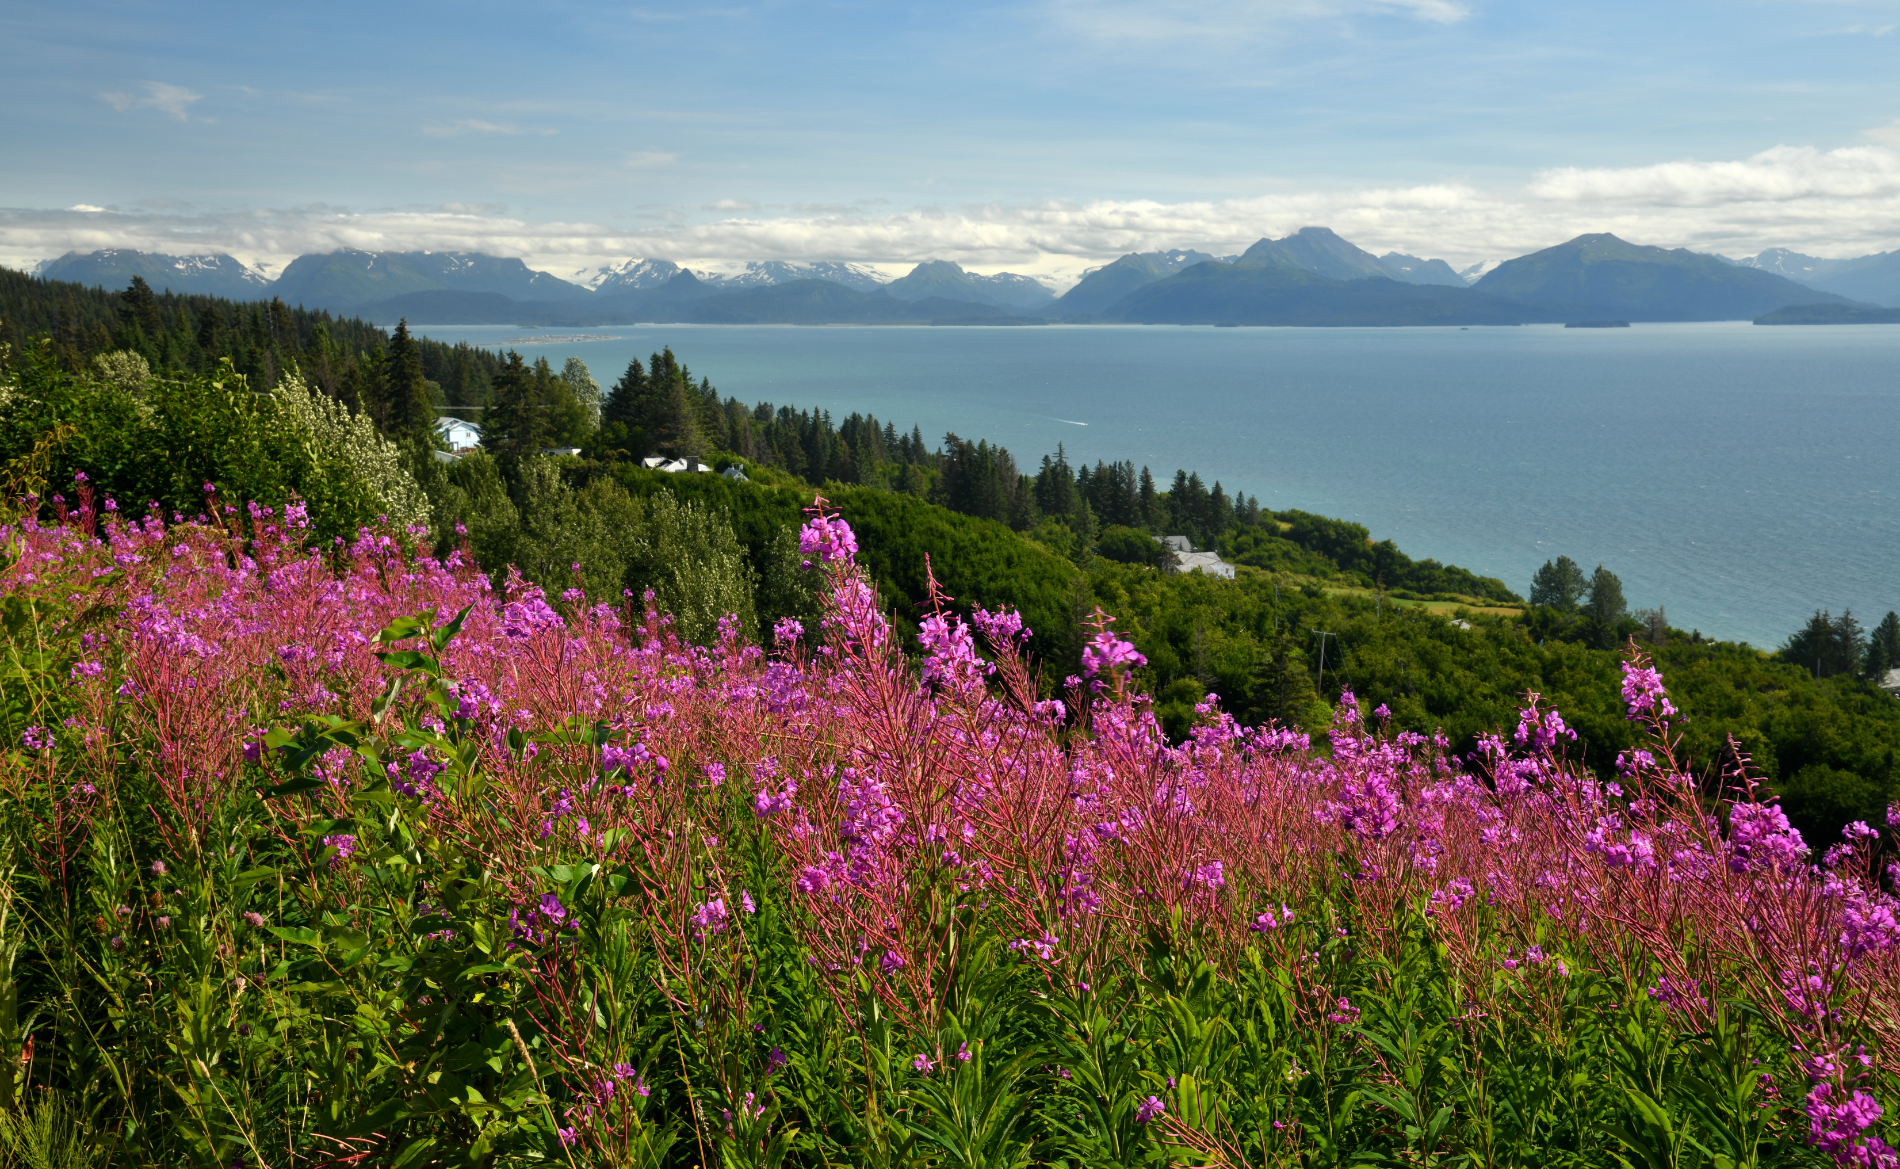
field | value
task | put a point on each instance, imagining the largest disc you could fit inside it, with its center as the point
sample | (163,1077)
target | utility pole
(1323,635)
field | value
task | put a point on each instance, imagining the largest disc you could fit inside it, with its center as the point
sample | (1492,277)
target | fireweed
(339,855)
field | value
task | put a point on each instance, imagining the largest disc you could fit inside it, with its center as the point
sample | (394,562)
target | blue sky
(1038,137)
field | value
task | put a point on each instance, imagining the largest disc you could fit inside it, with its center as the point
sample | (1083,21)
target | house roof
(1208,563)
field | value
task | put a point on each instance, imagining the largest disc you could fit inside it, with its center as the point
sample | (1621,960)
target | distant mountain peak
(216,274)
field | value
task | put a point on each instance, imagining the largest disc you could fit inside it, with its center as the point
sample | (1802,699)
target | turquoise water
(1740,476)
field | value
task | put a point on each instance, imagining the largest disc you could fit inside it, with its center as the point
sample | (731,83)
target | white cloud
(169,99)
(1888,134)
(1779,175)
(638,159)
(1832,203)
(463,126)
(1229,23)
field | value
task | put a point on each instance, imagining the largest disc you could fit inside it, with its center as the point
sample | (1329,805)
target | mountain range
(1311,277)
(1874,278)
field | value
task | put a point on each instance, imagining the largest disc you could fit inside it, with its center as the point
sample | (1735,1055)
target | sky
(1042,137)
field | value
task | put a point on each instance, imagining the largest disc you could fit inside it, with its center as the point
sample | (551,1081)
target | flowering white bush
(337,436)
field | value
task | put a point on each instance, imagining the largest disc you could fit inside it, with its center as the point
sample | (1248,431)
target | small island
(1831,314)
(1597,325)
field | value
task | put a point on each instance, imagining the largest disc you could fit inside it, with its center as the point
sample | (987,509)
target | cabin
(459,433)
(1207,563)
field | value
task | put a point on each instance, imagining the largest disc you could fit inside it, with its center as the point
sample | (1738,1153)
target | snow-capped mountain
(632,275)
(760,273)
(1478,270)
(113,268)
(627,275)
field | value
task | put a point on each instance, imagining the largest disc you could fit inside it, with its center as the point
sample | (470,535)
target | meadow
(333,852)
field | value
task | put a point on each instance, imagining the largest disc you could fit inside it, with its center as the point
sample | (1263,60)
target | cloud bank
(169,99)
(1842,202)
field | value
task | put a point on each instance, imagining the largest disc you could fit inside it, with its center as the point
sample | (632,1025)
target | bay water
(1740,476)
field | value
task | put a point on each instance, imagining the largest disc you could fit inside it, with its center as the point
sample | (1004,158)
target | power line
(1323,635)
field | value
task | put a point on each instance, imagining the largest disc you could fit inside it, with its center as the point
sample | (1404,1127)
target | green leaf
(292,787)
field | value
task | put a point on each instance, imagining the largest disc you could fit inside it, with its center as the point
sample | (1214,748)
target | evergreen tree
(1827,645)
(1606,598)
(624,401)
(408,406)
(516,426)
(1560,585)
(1883,647)
(1281,685)
(140,306)
(1055,485)
(1150,500)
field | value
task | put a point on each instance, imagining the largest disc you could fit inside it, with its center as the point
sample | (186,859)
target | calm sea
(1740,476)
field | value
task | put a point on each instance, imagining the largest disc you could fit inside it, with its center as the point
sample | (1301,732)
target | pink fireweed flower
(924,1063)
(1001,628)
(1840,1130)
(950,660)
(1266,921)
(1209,876)
(1105,651)
(1044,947)
(1344,1014)
(1643,692)
(529,615)
(711,918)
(1760,837)
(345,846)
(1150,1109)
(827,540)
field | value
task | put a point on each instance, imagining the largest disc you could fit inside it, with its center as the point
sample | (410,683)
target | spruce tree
(408,405)
(516,428)
(1606,597)
(1559,585)
(1883,647)
(623,402)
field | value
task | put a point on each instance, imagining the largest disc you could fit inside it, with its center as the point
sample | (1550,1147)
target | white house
(674,466)
(735,474)
(1207,563)
(1890,682)
(1177,544)
(459,433)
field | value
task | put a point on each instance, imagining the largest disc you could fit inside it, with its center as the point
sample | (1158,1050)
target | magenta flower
(1149,1110)
(827,540)
(1643,692)
(1105,651)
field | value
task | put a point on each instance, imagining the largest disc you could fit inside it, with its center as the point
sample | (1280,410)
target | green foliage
(1130,546)
(1559,585)
(162,445)
(1828,645)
